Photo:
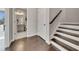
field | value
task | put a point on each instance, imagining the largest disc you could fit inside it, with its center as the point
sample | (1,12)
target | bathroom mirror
(20,20)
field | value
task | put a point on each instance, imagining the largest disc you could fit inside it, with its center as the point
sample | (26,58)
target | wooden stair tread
(67,43)
(68,36)
(69,26)
(58,46)
(70,31)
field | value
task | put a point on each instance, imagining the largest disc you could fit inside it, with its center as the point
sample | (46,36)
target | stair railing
(55,17)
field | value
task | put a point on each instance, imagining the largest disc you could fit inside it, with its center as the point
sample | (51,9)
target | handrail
(55,16)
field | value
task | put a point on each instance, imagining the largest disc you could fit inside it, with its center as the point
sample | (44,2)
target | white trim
(15,34)
(54,31)
(68,36)
(30,35)
(7,28)
(51,36)
(67,43)
(27,36)
(58,46)
(13,25)
(69,31)
(70,27)
(69,22)
(48,42)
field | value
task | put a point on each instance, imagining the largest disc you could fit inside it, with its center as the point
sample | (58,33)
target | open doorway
(2,28)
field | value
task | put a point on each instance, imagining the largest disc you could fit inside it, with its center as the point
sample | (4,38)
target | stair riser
(70,40)
(69,28)
(67,36)
(68,33)
(58,47)
(65,46)
(71,24)
(55,48)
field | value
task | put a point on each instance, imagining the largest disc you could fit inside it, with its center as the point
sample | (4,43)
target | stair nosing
(67,43)
(71,27)
(58,46)
(67,30)
(68,36)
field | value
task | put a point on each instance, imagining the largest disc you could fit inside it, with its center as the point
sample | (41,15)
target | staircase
(66,37)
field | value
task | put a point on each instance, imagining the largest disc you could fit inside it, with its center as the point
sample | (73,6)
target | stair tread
(76,24)
(67,43)
(68,36)
(58,46)
(69,26)
(70,31)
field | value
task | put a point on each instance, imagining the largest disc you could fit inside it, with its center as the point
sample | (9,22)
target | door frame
(22,34)
(7,43)
(44,33)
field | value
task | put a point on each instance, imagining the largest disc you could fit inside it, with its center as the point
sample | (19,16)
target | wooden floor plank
(30,44)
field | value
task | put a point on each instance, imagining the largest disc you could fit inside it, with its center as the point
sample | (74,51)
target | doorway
(19,23)
(2,28)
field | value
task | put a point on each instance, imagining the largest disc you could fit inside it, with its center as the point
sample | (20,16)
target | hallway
(58,27)
(34,43)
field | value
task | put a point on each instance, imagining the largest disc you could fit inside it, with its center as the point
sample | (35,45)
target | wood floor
(34,43)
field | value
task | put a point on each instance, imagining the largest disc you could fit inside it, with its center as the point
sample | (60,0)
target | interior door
(19,23)
(42,23)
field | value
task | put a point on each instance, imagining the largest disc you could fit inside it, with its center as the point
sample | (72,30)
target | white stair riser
(68,36)
(58,46)
(67,43)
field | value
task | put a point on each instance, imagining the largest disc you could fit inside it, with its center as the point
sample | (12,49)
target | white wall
(36,18)
(71,15)
(43,23)
(31,22)
(10,24)
(52,13)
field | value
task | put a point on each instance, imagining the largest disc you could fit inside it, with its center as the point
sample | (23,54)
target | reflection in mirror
(21,20)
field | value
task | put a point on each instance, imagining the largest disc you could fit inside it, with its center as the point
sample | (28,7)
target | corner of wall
(30,35)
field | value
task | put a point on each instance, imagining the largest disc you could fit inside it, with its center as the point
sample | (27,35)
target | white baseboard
(51,36)
(48,42)
(30,35)
(27,36)
(13,40)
